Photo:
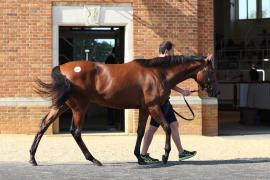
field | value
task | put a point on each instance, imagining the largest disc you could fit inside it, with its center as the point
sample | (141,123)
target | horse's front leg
(156,113)
(143,115)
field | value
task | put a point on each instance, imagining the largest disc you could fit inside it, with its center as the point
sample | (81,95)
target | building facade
(29,48)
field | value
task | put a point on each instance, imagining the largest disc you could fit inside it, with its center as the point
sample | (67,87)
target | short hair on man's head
(166,45)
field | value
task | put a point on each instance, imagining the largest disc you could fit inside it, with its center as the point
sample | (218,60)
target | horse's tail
(58,90)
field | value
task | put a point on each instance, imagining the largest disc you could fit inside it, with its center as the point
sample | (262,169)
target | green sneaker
(186,155)
(148,159)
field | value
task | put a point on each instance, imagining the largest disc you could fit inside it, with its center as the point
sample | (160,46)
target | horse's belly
(121,102)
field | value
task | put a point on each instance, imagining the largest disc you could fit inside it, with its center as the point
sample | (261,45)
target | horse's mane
(168,61)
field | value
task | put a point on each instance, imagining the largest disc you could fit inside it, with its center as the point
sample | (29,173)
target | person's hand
(186,92)
(209,57)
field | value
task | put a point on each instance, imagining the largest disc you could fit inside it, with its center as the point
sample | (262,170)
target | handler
(166,49)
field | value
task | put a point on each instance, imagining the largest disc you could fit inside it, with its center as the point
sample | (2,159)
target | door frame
(105,15)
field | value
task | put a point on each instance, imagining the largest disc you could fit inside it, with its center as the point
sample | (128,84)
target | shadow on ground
(200,163)
(153,165)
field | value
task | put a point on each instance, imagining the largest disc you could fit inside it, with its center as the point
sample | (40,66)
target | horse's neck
(181,72)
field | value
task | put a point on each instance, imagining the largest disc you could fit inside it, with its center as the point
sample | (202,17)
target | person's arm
(185,58)
(184,92)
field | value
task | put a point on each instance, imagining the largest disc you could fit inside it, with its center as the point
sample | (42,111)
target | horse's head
(206,77)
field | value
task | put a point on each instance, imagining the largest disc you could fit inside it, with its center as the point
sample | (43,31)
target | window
(247,9)
(242,9)
(265,8)
(252,9)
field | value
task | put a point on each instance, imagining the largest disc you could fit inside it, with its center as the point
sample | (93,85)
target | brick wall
(26,50)
(26,43)
(206,27)
(21,120)
(156,21)
(209,120)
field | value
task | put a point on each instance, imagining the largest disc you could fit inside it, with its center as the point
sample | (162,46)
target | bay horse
(142,84)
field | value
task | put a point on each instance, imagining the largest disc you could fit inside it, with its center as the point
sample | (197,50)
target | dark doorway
(93,44)
(242,41)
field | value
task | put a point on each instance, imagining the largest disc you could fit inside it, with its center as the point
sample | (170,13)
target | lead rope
(190,109)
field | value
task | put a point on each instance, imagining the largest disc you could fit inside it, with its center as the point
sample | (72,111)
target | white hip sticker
(77,69)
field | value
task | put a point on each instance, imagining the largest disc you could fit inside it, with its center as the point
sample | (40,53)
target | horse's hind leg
(157,114)
(45,123)
(165,157)
(75,129)
(143,115)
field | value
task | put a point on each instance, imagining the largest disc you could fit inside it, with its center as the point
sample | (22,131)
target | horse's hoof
(164,159)
(33,162)
(97,163)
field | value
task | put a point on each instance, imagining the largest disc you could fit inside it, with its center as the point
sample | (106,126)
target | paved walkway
(192,170)
(229,157)
(63,148)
